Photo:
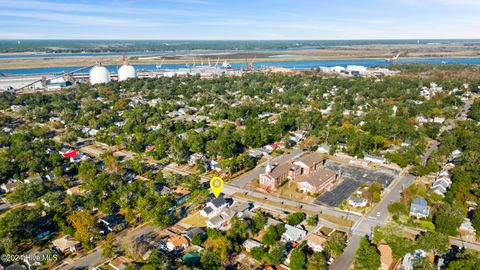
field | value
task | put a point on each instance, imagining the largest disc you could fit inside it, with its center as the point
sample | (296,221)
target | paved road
(230,190)
(95,257)
(448,125)
(367,223)
(274,208)
(87,262)
(432,147)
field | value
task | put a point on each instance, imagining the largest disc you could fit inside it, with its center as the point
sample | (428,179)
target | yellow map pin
(216,185)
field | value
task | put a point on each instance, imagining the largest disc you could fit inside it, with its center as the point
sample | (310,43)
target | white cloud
(81,19)
(116,8)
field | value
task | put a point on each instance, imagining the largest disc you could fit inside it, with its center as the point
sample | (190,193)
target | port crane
(250,64)
(157,66)
(394,59)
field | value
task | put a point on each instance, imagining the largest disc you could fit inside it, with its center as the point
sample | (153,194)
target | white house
(177,242)
(419,208)
(207,212)
(293,234)
(216,222)
(316,242)
(357,202)
(215,166)
(214,207)
(66,244)
(455,154)
(10,186)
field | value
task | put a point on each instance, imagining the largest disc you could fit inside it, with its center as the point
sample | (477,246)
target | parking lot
(352,177)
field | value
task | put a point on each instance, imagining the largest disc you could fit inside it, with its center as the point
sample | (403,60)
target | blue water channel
(307,64)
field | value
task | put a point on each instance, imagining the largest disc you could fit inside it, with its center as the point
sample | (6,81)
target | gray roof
(207,210)
(294,233)
(218,202)
(239,207)
(356,199)
(441,182)
(419,206)
(191,232)
(419,202)
(440,189)
(216,220)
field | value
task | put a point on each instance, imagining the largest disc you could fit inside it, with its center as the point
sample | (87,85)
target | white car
(330,261)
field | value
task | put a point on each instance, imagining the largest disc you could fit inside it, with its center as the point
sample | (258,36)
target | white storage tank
(125,72)
(99,74)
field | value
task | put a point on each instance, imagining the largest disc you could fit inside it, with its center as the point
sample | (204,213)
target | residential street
(366,224)
(87,262)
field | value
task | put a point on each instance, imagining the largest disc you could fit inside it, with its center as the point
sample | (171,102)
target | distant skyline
(237,20)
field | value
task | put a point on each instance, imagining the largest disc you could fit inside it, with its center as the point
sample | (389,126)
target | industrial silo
(125,72)
(99,74)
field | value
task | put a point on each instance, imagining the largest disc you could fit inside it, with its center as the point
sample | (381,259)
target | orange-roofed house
(177,242)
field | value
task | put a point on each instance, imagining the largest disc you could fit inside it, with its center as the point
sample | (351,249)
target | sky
(239,19)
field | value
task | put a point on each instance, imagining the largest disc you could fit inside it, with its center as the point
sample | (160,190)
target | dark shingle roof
(208,210)
(217,202)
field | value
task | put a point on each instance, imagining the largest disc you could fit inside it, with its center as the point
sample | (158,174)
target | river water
(307,64)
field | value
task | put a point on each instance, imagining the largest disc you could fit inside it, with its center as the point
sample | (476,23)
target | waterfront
(306,64)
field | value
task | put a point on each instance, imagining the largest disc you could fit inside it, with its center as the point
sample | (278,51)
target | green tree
(20,224)
(466,260)
(258,253)
(312,221)
(211,260)
(238,231)
(448,218)
(335,244)
(259,221)
(276,255)
(295,218)
(317,261)
(298,260)
(423,263)
(273,234)
(200,196)
(476,220)
(87,170)
(108,248)
(84,224)
(220,246)
(397,208)
(27,192)
(367,256)
(433,241)
(196,240)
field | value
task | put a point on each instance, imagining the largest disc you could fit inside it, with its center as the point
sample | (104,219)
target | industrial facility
(98,74)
